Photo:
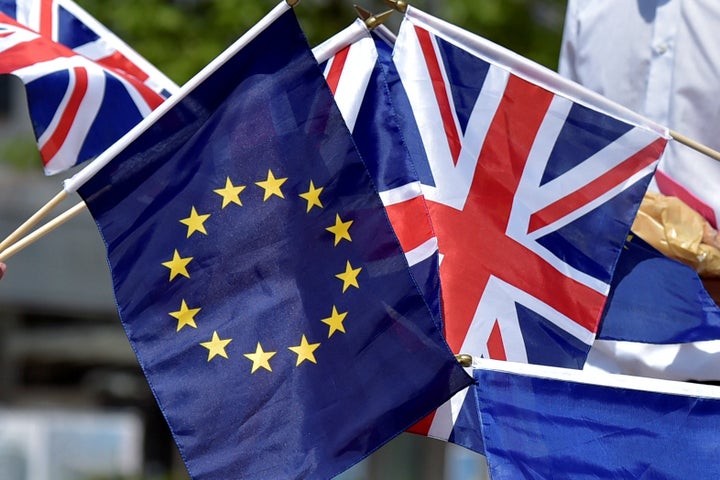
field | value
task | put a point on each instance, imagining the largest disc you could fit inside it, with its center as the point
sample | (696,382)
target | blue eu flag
(258,279)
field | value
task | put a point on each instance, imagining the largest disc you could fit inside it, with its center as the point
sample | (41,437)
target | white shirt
(661,59)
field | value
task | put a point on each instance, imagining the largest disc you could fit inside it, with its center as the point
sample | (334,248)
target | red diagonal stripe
(30,53)
(336,68)
(118,61)
(411,222)
(57,139)
(440,89)
(473,240)
(601,185)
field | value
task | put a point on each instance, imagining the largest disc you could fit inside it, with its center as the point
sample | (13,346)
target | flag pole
(33,220)
(697,146)
(42,231)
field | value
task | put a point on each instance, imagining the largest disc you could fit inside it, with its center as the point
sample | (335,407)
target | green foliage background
(182,36)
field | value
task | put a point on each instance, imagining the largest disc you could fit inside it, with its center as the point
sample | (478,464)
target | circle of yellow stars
(180,266)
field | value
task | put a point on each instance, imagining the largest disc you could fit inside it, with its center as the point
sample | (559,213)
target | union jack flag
(85,87)
(530,195)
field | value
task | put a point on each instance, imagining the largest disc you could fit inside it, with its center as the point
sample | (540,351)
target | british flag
(530,196)
(530,193)
(85,87)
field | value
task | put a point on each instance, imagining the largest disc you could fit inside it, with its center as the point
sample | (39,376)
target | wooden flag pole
(33,220)
(714,154)
(42,231)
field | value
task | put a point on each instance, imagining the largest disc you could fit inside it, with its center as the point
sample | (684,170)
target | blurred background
(73,401)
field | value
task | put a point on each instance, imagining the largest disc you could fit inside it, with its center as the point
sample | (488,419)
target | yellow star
(195,222)
(271,186)
(340,229)
(216,346)
(305,351)
(260,359)
(178,265)
(312,196)
(335,321)
(230,194)
(185,316)
(349,276)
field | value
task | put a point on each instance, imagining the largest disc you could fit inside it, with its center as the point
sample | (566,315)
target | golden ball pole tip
(464,359)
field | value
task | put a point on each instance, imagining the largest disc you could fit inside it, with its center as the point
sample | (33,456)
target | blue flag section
(655,299)
(540,428)
(258,278)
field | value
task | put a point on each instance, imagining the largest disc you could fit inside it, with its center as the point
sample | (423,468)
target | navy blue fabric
(536,428)
(71,31)
(265,275)
(655,299)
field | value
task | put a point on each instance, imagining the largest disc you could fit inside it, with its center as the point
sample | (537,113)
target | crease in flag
(257,277)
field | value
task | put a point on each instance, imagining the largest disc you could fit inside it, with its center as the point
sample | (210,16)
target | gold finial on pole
(464,359)
(379,19)
(371,20)
(292,3)
(362,13)
(398,5)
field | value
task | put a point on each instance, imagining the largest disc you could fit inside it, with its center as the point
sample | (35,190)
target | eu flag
(258,279)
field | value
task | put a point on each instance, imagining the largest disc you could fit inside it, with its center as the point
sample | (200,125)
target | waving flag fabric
(655,299)
(359,74)
(85,88)
(258,278)
(356,74)
(549,423)
(66,23)
(530,192)
(659,320)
